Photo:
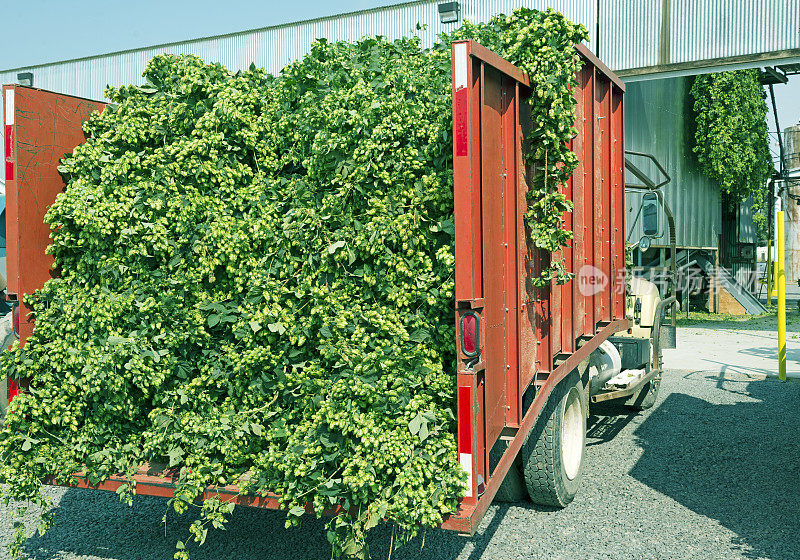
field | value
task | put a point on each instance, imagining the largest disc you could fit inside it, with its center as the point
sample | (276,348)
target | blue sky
(37,31)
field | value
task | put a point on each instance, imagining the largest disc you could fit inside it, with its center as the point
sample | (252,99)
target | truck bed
(528,338)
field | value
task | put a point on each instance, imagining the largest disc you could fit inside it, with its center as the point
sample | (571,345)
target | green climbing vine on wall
(730,138)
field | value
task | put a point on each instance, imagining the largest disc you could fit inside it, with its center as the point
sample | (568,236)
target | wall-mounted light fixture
(25,79)
(449,12)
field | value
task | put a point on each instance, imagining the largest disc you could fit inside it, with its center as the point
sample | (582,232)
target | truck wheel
(647,396)
(552,457)
(512,490)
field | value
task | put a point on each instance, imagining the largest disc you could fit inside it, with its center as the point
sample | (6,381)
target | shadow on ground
(606,421)
(94,524)
(736,463)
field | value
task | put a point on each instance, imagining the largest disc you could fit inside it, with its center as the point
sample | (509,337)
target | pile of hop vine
(256,282)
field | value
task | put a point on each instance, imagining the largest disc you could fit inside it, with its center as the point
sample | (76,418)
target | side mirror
(651,215)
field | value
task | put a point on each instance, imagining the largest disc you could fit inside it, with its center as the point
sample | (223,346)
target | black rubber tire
(543,467)
(512,490)
(647,397)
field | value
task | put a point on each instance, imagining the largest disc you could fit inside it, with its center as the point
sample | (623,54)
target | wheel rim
(572,434)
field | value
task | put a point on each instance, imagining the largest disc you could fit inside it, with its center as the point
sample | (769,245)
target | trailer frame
(528,339)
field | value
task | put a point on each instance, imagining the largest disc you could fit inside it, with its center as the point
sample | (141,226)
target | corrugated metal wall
(655,123)
(640,33)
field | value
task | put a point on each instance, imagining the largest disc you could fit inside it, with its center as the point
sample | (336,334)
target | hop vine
(257,283)
(730,138)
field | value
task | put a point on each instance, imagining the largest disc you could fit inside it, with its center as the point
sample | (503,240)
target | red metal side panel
(526,266)
(10,164)
(494,315)
(579,246)
(511,165)
(603,198)
(555,316)
(467,201)
(589,187)
(568,290)
(599,213)
(618,206)
(469,262)
(47,125)
(544,358)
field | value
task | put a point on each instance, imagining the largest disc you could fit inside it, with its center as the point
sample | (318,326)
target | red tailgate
(40,127)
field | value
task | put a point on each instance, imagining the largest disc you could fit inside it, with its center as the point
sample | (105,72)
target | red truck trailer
(529,359)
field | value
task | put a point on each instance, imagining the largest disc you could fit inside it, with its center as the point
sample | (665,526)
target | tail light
(9,133)
(15,319)
(470,334)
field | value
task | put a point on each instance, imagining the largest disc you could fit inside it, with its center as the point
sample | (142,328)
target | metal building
(655,45)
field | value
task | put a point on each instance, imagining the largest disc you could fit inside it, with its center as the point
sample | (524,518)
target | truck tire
(646,398)
(552,456)
(512,490)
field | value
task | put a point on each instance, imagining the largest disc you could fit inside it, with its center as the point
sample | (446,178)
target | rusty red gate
(529,338)
(40,127)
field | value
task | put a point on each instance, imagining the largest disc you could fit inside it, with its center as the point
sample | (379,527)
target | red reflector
(15,318)
(464,420)
(13,390)
(470,334)
(9,139)
(461,115)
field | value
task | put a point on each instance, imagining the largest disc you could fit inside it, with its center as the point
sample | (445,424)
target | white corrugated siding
(629,33)
(719,29)
(631,30)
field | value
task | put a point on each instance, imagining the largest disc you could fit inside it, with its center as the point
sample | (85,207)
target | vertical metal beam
(781,167)
(665,39)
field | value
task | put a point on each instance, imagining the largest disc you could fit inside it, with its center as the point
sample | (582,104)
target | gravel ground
(710,472)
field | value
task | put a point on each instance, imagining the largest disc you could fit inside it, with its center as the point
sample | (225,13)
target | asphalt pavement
(711,472)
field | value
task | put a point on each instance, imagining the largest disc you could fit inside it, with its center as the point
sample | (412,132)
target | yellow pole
(781,278)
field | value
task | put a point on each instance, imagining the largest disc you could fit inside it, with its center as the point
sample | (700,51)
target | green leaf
(416,423)
(336,246)
(420,335)
(175,456)
(423,431)
(255,326)
(374,518)
(297,511)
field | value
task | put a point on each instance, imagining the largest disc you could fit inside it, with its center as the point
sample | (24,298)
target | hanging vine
(543,45)
(730,138)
